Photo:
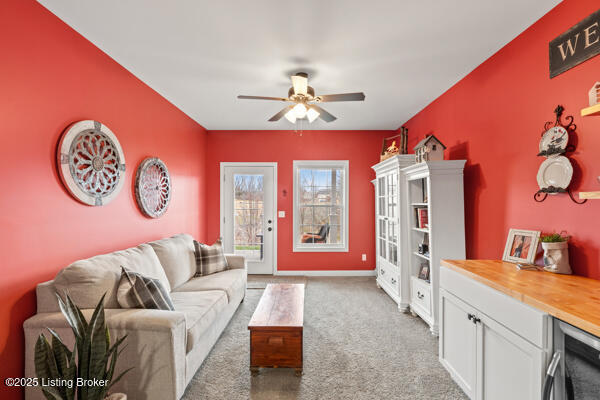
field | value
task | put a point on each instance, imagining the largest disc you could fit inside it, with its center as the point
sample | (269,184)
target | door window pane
(248,221)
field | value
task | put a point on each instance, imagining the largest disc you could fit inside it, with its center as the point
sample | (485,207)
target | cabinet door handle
(382,271)
(473,318)
(420,295)
(393,281)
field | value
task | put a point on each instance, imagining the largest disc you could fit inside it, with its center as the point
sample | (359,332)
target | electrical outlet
(364,257)
(281,214)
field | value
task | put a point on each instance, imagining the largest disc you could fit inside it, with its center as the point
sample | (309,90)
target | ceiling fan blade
(300,83)
(280,114)
(262,98)
(359,96)
(324,115)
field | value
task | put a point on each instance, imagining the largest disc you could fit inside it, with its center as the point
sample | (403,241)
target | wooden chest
(276,328)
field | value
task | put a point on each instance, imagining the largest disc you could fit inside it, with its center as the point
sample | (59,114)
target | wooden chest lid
(281,306)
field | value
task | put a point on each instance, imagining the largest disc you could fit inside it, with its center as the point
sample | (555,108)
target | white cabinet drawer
(522,319)
(389,275)
(420,296)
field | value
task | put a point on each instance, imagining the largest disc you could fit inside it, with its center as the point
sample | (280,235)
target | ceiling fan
(303,98)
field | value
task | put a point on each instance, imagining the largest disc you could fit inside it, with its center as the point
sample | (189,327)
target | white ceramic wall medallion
(153,187)
(91,162)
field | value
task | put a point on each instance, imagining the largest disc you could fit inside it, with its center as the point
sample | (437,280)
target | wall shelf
(589,195)
(421,255)
(590,111)
(424,230)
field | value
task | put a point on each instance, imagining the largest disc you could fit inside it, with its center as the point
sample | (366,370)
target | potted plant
(89,366)
(556,253)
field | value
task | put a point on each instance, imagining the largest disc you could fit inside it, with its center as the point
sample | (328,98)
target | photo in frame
(424,272)
(521,246)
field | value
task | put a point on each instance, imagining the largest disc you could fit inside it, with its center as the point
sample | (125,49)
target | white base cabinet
(493,346)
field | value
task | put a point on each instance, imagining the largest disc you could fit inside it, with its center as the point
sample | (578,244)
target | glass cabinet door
(382,204)
(392,211)
(392,195)
(392,242)
(382,238)
(387,217)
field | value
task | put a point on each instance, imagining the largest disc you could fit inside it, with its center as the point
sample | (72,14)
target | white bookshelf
(438,187)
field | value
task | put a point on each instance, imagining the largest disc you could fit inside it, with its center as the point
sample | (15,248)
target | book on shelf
(421,216)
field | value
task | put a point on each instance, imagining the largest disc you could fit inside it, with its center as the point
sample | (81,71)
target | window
(320,205)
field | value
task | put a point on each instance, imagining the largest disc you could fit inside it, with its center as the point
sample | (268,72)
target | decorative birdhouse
(429,149)
(595,94)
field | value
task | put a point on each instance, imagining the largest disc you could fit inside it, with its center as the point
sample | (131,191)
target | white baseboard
(349,272)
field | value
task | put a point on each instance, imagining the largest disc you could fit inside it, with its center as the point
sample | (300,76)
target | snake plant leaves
(92,356)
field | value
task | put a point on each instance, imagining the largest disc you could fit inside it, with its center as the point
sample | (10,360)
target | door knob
(269,221)
(269,229)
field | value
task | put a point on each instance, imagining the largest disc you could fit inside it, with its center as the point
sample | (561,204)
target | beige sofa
(166,348)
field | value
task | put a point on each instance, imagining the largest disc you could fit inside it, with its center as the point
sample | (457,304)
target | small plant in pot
(556,253)
(86,372)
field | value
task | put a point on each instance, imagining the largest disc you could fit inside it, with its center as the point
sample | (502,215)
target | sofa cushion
(140,291)
(176,254)
(230,281)
(200,310)
(209,259)
(87,280)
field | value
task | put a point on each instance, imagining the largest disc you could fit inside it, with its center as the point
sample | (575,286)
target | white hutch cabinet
(406,194)
(390,216)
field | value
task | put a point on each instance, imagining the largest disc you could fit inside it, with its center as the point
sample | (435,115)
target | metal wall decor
(91,162)
(556,172)
(153,187)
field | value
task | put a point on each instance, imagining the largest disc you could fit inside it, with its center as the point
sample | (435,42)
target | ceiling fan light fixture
(290,116)
(312,114)
(300,111)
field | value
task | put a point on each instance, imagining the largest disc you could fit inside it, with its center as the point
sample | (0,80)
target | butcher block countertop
(573,299)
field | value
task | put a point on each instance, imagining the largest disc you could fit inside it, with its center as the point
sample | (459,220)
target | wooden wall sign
(578,44)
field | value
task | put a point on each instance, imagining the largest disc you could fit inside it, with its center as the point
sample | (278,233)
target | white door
(248,223)
(508,366)
(458,342)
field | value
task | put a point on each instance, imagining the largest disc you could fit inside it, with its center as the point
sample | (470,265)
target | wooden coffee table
(276,328)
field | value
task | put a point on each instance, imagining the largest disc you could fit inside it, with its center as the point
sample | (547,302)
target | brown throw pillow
(140,291)
(209,259)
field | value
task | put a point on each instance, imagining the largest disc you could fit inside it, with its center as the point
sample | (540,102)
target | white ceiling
(201,54)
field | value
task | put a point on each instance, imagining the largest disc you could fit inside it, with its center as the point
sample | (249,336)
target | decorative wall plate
(555,172)
(153,187)
(554,141)
(91,162)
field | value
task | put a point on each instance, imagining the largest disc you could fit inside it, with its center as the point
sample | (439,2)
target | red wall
(49,77)
(494,118)
(361,148)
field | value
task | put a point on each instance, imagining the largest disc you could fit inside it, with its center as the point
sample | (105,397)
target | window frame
(344,165)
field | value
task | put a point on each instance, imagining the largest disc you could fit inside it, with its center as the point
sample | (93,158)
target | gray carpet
(356,346)
(261,281)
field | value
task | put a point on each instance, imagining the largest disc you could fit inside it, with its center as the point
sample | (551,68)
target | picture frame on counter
(521,246)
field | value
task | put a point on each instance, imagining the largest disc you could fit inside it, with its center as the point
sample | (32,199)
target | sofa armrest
(236,262)
(155,347)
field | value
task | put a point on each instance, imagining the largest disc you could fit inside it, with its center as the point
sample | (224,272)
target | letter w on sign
(578,44)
